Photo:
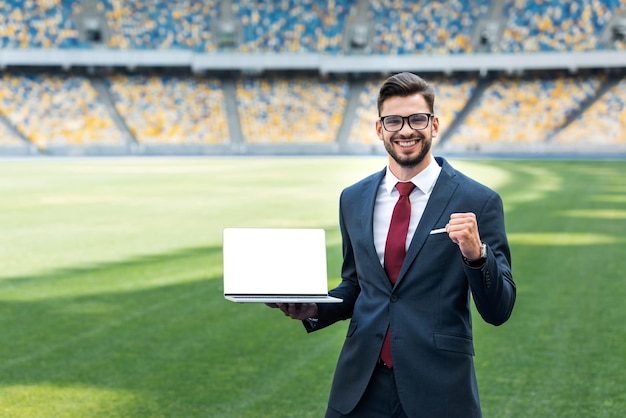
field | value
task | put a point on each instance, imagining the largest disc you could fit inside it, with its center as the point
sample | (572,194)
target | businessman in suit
(408,351)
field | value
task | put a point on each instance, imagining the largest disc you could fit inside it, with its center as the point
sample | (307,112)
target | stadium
(133,131)
(292,77)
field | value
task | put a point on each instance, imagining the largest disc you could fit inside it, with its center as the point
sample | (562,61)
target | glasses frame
(406,118)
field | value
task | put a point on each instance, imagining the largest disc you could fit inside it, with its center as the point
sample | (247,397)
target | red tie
(395,249)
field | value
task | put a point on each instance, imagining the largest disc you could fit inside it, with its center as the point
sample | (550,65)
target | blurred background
(157,77)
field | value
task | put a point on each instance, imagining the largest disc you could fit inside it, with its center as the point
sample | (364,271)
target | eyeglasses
(417,121)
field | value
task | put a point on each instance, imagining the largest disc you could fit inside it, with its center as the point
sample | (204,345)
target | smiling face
(408,149)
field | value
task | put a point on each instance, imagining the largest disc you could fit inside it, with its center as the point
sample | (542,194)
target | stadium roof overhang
(324,64)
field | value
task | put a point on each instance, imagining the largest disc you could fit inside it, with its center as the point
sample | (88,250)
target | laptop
(275,265)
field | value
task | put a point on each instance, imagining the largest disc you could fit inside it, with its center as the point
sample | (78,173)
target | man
(409,351)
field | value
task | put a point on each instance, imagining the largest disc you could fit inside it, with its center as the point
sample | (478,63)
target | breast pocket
(440,249)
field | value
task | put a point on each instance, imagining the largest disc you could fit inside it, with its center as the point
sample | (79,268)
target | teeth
(406,143)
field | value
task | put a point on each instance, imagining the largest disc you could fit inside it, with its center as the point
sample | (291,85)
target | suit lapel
(366,217)
(365,213)
(431,219)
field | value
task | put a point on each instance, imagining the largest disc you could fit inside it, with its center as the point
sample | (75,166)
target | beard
(409,161)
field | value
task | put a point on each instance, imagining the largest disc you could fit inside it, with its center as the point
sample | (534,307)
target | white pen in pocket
(438,231)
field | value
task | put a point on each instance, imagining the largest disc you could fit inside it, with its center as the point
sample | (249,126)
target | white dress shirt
(388,195)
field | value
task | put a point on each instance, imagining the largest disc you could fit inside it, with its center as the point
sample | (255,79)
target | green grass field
(111,295)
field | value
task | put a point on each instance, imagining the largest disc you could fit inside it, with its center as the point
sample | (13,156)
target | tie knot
(405,188)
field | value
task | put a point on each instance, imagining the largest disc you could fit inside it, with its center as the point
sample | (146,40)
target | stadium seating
(285,26)
(158,109)
(556,25)
(399,27)
(175,107)
(363,129)
(160,24)
(525,109)
(171,109)
(37,24)
(443,27)
(452,96)
(603,123)
(292,25)
(291,110)
(56,110)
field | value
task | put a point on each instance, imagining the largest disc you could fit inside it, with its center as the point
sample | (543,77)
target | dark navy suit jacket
(429,306)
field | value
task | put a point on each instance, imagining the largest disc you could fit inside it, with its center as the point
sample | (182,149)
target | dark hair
(406,84)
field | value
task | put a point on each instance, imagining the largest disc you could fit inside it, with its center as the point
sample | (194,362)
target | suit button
(393,297)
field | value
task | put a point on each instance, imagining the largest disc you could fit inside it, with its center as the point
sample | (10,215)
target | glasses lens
(418,121)
(392,123)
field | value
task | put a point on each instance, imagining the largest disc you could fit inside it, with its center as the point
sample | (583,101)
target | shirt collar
(424,180)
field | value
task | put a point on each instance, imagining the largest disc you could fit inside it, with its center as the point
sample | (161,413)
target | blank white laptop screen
(275,265)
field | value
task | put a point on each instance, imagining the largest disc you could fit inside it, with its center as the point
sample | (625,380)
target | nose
(406,129)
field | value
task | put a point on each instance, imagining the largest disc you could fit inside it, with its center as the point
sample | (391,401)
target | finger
(293,309)
(454,239)
(458,215)
(284,308)
(299,310)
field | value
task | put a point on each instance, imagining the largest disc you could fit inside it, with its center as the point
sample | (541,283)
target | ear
(435,128)
(379,129)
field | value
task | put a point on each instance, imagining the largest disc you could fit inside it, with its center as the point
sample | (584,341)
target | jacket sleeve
(348,289)
(492,285)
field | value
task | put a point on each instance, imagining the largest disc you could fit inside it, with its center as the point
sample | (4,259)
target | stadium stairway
(489,29)
(343,133)
(359,30)
(606,85)
(103,93)
(232,113)
(27,148)
(9,126)
(482,85)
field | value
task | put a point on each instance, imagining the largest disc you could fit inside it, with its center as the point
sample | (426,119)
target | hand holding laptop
(300,311)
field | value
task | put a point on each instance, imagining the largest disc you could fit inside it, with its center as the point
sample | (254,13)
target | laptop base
(282,299)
